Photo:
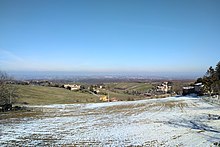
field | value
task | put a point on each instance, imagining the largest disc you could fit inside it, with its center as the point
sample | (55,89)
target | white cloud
(10,61)
(7,55)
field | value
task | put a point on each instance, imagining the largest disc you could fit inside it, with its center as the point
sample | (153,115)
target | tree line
(211,80)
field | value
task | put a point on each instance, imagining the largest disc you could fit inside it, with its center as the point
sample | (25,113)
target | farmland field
(173,121)
(131,86)
(35,95)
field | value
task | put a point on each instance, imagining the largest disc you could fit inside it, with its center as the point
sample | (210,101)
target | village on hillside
(112,92)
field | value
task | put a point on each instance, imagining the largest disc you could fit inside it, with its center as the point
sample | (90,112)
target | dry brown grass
(130,109)
(20,114)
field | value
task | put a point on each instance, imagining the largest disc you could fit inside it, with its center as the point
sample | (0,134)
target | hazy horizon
(109,36)
(28,75)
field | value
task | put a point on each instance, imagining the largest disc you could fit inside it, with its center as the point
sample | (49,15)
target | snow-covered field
(174,121)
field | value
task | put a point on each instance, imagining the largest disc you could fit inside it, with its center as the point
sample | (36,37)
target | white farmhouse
(72,87)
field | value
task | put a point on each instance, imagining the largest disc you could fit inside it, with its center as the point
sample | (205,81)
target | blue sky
(109,35)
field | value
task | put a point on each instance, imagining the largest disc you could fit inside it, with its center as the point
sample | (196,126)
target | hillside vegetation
(36,95)
(122,91)
(130,86)
(211,80)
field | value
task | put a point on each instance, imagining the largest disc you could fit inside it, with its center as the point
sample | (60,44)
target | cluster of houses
(72,87)
(195,89)
(164,87)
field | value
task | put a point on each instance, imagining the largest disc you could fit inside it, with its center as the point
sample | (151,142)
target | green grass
(131,86)
(123,97)
(123,90)
(125,85)
(143,87)
(37,95)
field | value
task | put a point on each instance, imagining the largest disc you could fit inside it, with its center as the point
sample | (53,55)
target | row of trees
(211,80)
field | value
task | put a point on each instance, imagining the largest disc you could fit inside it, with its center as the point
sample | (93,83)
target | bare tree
(8,92)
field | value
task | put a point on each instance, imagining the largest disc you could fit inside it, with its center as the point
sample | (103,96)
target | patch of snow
(135,123)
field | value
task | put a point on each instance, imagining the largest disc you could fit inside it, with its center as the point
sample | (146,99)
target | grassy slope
(122,96)
(140,87)
(50,95)
(35,95)
(120,88)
